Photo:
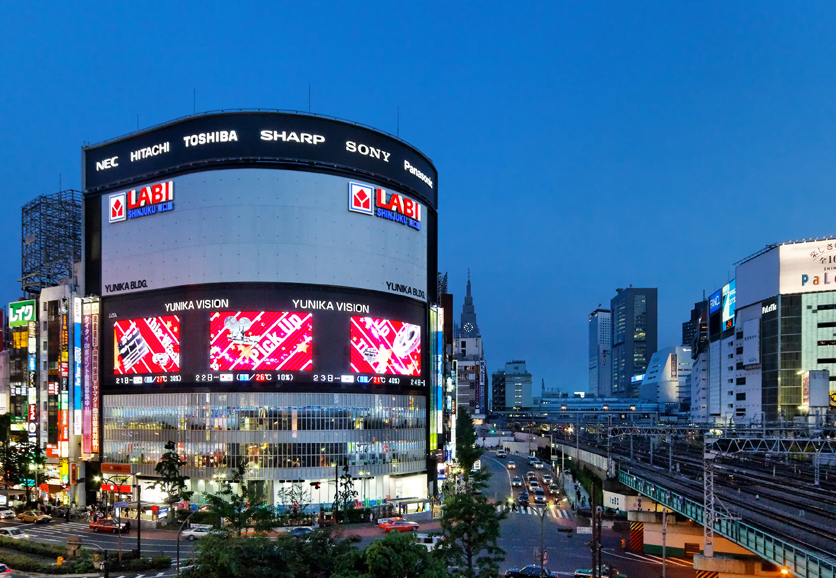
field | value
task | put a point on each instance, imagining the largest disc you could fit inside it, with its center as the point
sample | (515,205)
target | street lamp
(542,510)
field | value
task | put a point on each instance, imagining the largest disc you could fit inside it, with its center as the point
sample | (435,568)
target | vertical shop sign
(33,380)
(77,375)
(94,376)
(64,394)
(87,322)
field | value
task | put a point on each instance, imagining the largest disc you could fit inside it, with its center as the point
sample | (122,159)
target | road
(520,534)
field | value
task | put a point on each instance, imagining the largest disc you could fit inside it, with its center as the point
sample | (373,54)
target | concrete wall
(681,533)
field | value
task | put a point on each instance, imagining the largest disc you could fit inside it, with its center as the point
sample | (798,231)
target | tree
(319,555)
(294,500)
(222,556)
(470,524)
(171,481)
(346,494)
(466,450)
(471,528)
(241,504)
(395,555)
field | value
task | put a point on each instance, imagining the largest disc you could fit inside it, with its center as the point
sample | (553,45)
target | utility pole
(664,544)
(670,452)
(138,518)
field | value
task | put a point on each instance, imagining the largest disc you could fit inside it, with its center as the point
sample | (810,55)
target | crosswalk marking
(556,512)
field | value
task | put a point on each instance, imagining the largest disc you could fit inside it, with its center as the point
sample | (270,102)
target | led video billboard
(264,336)
(261,340)
(149,345)
(383,346)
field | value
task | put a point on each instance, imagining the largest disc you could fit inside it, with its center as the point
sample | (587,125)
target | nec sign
(21,313)
(148,200)
(385,204)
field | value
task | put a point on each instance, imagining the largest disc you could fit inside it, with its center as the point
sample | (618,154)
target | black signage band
(259,138)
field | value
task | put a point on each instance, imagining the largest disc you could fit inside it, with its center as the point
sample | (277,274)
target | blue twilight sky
(581,146)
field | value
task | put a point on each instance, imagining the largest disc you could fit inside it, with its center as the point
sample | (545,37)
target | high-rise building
(518,394)
(498,391)
(470,357)
(600,352)
(634,319)
(691,328)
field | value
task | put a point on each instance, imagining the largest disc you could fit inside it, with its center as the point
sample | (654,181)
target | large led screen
(264,336)
(149,345)
(261,340)
(385,346)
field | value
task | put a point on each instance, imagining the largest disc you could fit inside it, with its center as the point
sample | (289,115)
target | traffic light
(315,485)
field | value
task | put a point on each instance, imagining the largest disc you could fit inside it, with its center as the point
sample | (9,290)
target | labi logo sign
(384,204)
(149,200)
(21,313)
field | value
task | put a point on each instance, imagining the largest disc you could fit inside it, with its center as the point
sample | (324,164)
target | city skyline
(637,149)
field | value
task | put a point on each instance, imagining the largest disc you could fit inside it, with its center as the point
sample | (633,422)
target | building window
(741,397)
(741,381)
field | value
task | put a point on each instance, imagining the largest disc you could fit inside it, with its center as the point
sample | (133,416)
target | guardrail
(800,562)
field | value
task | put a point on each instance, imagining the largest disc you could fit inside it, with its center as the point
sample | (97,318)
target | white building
(600,352)
(666,380)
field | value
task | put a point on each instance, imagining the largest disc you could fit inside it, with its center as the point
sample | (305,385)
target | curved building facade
(263,286)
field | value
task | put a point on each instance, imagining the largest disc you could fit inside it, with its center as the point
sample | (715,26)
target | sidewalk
(575,491)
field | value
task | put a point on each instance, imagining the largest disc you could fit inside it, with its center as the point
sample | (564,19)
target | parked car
(400,526)
(429,541)
(196,532)
(530,571)
(14,533)
(606,572)
(7,513)
(517,482)
(34,517)
(109,525)
(501,454)
(512,465)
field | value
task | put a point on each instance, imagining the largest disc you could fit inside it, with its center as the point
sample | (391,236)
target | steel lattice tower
(50,240)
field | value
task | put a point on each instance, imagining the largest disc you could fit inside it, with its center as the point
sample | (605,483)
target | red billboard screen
(261,340)
(150,345)
(385,346)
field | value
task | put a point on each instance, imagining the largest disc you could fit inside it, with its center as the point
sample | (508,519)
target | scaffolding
(50,240)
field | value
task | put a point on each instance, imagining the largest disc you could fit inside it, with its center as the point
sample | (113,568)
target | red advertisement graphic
(384,346)
(150,345)
(261,340)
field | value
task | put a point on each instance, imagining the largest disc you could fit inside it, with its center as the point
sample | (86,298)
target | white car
(429,541)
(538,465)
(14,533)
(512,465)
(501,453)
(196,532)
(7,514)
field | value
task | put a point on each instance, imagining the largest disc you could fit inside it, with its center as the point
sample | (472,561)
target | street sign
(584,530)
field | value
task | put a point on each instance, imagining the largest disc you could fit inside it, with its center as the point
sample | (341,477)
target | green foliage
(132,563)
(471,528)
(171,481)
(317,556)
(396,554)
(466,450)
(31,547)
(219,556)
(23,563)
(591,483)
(241,504)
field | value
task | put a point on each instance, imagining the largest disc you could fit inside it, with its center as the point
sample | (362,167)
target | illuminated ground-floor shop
(288,440)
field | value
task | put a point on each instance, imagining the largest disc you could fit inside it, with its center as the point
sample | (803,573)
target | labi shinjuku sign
(21,313)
